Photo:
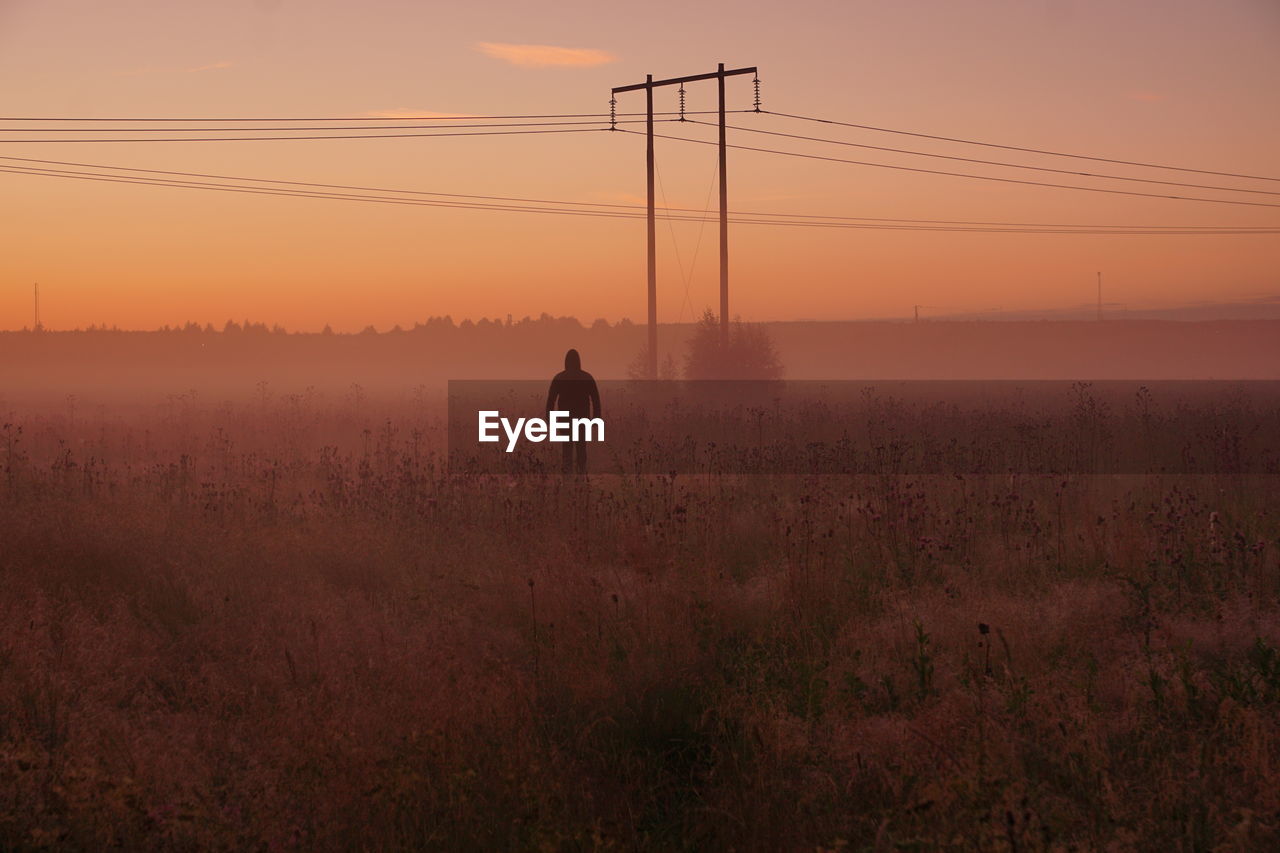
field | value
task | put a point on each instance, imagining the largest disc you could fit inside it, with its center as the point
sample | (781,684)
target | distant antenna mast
(37,326)
(1099,297)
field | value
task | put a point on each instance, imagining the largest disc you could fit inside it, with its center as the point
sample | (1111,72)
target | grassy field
(281,624)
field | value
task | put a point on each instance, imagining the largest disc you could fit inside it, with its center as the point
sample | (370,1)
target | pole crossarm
(677,80)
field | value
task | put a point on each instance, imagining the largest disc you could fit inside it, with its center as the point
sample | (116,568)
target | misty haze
(682,427)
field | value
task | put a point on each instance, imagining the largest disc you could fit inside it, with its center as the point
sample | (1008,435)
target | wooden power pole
(724,226)
(649,85)
(652,230)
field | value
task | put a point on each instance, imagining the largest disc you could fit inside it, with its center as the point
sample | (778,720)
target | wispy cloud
(407,113)
(545,55)
(212,66)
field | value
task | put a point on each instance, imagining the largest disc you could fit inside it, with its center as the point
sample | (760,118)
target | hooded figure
(573,390)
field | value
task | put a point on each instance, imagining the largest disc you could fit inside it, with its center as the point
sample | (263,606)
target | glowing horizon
(1178,83)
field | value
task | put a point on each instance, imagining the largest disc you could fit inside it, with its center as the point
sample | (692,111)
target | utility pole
(652,230)
(724,227)
(36,325)
(1099,297)
(649,85)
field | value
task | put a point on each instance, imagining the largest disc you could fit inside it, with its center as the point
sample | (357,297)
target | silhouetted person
(573,390)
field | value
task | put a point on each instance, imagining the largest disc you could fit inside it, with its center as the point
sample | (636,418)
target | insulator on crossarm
(613,113)
(682,102)
(756,83)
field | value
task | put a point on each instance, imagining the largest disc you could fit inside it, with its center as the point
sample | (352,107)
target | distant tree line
(542,323)
(749,354)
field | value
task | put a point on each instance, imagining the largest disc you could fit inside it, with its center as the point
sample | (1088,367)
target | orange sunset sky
(1181,82)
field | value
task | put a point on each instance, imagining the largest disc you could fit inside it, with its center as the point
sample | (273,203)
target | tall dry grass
(282,625)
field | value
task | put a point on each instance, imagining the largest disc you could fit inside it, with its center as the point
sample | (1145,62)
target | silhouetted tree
(750,354)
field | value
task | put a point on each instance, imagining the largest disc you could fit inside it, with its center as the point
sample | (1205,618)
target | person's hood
(572,361)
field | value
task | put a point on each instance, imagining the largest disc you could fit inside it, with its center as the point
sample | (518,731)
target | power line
(603,116)
(264,118)
(990,162)
(200,185)
(1022,149)
(333,196)
(965,174)
(292,129)
(526,200)
(304,138)
(487,122)
(326,186)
